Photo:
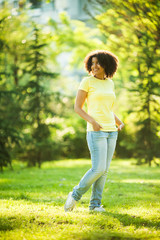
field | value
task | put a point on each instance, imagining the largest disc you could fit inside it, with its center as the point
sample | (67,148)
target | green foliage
(9,122)
(37,107)
(76,37)
(131,29)
(32,202)
(23,93)
(37,98)
(72,138)
(36,3)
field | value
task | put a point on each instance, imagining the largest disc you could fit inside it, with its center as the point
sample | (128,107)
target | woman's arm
(80,100)
(119,123)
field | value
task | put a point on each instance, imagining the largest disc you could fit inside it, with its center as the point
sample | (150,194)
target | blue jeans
(101,146)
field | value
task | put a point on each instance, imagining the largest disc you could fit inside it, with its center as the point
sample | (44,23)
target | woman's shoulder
(111,81)
(87,78)
(112,84)
(85,83)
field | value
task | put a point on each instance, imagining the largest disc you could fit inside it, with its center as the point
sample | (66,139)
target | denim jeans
(101,146)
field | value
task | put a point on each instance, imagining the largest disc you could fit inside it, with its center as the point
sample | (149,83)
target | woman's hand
(96,126)
(119,123)
(120,126)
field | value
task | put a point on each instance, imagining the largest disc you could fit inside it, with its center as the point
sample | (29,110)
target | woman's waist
(102,116)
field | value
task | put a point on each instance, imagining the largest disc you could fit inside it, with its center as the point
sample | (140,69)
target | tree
(24,90)
(36,99)
(9,134)
(132,28)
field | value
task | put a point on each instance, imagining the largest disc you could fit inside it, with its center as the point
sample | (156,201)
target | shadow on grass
(9,223)
(105,236)
(138,222)
(15,222)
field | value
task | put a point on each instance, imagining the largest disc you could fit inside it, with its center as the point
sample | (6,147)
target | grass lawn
(32,201)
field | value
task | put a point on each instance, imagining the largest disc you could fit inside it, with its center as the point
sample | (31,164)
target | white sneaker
(99,209)
(70,203)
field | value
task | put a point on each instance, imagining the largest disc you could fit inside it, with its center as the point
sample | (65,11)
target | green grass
(32,200)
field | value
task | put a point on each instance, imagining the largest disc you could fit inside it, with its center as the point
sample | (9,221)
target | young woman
(102,133)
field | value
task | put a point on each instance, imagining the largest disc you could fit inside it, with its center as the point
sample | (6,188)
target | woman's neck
(101,77)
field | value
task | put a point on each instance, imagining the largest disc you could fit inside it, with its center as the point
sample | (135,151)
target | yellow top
(100,101)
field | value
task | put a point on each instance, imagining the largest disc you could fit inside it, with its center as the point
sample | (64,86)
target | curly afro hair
(106,59)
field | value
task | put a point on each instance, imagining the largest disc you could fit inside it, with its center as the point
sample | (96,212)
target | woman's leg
(98,149)
(98,185)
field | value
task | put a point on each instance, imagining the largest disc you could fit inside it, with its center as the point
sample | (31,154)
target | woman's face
(96,69)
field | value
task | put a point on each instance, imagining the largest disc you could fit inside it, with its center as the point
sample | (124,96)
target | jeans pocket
(113,134)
